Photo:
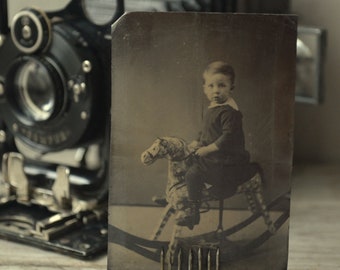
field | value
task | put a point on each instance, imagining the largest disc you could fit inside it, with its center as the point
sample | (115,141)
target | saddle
(231,182)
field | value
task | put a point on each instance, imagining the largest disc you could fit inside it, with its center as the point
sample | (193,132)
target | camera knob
(31,30)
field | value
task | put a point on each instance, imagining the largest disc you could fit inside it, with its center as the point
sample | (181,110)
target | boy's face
(218,88)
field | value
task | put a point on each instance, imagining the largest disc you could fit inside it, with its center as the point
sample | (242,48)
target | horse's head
(156,151)
(165,147)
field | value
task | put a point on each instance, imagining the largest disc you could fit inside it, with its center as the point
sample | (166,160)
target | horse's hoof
(160,200)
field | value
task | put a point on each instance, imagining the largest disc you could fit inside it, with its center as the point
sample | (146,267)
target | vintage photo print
(201,141)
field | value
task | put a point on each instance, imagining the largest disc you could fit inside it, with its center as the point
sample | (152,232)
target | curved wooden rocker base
(213,241)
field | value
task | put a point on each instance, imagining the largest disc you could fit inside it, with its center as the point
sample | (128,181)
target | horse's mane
(176,146)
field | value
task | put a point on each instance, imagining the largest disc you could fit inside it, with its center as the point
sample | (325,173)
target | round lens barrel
(35,90)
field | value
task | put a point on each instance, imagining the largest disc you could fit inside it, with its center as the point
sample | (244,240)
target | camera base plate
(77,235)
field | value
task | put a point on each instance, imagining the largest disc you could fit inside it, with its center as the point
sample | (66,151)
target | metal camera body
(55,85)
(53,93)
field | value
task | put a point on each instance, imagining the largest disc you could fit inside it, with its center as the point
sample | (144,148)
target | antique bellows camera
(54,130)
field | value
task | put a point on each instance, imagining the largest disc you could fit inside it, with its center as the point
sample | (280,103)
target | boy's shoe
(190,216)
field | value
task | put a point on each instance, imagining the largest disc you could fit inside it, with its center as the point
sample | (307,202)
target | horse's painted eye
(164,143)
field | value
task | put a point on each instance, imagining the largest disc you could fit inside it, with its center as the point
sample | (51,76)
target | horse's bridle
(178,150)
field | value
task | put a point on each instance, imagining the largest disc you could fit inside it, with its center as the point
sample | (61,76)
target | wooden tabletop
(15,256)
(314,229)
(315,218)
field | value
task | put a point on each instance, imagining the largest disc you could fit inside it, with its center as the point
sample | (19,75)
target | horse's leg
(167,212)
(173,245)
(254,194)
(263,210)
(248,190)
(259,198)
(251,201)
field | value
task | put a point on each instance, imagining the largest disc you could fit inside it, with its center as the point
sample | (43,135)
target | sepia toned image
(201,141)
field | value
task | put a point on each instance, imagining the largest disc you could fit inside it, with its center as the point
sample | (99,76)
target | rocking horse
(180,157)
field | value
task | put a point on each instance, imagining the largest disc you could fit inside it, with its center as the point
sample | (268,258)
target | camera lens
(52,98)
(35,90)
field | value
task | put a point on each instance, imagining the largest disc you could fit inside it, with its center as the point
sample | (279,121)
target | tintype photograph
(201,141)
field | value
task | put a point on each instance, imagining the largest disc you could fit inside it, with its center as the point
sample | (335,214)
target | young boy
(220,150)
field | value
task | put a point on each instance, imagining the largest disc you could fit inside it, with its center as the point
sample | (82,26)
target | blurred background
(317,132)
(316,125)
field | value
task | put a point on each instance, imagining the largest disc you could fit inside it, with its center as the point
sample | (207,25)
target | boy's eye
(221,85)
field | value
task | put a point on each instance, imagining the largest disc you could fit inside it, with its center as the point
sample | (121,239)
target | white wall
(16,5)
(318,127)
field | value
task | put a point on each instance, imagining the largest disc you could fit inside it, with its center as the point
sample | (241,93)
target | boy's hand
(193,146)
(206,150)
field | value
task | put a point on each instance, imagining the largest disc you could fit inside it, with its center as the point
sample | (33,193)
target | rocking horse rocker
(180,157)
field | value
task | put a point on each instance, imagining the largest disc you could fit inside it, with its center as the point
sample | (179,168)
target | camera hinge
(15,177)
(61,187)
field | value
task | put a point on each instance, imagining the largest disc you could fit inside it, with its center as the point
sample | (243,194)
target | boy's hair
(220,67)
